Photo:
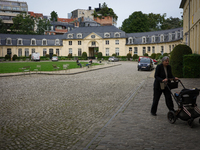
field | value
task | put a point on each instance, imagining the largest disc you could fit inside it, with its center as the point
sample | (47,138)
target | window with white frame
(130,50)
(8,41)
(33,50)
(79,52)
(79,35)
(44,52)
(162,49)
(79,42)
(107,35)
(33,41)
(19,52)
(107,42)
(116,42)
(57,52)
(107,51)
(153,39)
(19,42)
(70,42)
(117,51)
(26,52)
(117,34)
(93,43)
(130,40)
(149,49)
(170,36)
(161,38)
(143,39)
(170,48)
(9,51)
(135,50)
(70,50)
(57,42)
(70,36)
(153,49)
(44,42)
(144,50)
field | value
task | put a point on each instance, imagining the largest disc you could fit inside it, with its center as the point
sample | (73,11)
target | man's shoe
(154,114)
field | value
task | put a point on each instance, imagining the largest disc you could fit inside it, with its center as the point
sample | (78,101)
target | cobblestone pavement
(136,129)
(65,112)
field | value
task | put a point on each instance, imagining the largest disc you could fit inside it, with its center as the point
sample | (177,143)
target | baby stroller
(186,101)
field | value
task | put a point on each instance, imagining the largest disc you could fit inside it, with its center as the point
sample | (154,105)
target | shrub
(135,56)
(158,55)
(54,55)
(145,54)
(128,56)
(69,55)
(165,54)
(176,59)
(47,56)
(153,56)
(7,57)
(15,57)
(84,55)
(99,55)
(114,55)
(191,67)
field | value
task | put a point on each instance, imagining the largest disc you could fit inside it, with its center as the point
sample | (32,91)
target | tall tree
(54,16)
(137,22)
(154,20)
(3,28)
(42,25)
(171,23)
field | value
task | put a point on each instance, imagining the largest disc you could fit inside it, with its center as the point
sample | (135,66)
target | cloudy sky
(123,8)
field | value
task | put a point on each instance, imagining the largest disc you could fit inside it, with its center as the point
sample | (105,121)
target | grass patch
(12,67)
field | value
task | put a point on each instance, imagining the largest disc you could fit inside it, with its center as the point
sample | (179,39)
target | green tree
(23,24)
(137,22)
(154,20)
(54,16)
(42,25)
(3,28)
(171,23)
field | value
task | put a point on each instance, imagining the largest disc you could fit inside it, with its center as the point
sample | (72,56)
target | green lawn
(11,67)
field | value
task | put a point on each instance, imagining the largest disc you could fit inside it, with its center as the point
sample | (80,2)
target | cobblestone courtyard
(62,111)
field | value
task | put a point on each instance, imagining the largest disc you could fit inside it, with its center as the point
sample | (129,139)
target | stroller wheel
(190,122)
(171,117)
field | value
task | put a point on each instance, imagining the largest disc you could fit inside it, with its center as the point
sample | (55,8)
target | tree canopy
(54,16)
(139,22)
(3,28)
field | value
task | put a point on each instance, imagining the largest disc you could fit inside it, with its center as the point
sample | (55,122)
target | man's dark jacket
(160,75)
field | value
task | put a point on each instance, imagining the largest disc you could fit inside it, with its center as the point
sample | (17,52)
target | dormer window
(130,40)
(161,38)
(144,39)
(106,35)
(57,42)
(19,42)
(44,42)
(153,39)
(79,35)
(170,36)
(70,36)
(33,41)
(176,35)
(8,41)
(117,34)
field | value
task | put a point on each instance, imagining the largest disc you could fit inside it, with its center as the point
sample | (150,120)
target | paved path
(61,111)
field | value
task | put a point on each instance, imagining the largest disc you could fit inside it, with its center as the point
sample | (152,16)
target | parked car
(35,56)
(145,64)
(54,58)
(113,59)
(155,61)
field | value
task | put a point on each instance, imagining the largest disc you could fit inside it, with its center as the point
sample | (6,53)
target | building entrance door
(92,51)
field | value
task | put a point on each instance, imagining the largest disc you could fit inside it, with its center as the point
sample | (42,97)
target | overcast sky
(123,8)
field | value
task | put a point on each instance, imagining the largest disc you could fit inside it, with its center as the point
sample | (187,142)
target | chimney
(99,5)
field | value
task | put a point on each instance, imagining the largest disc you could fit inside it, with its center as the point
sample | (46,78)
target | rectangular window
(117,42)
(57,52)
(153,49)
(44,42)
(20,42)
(44,52)
(33,42)
(149,49)
(33,50)
(9,41)
(117,51)
(93,43)
(135,50)
(19,52)
(70,50)
(26,52)
(170,48)
(107,42)
(162,49)
(79,42)
(107,51)
(144,50)
(70,42)
(9,52)
(144,40)
(79,52)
